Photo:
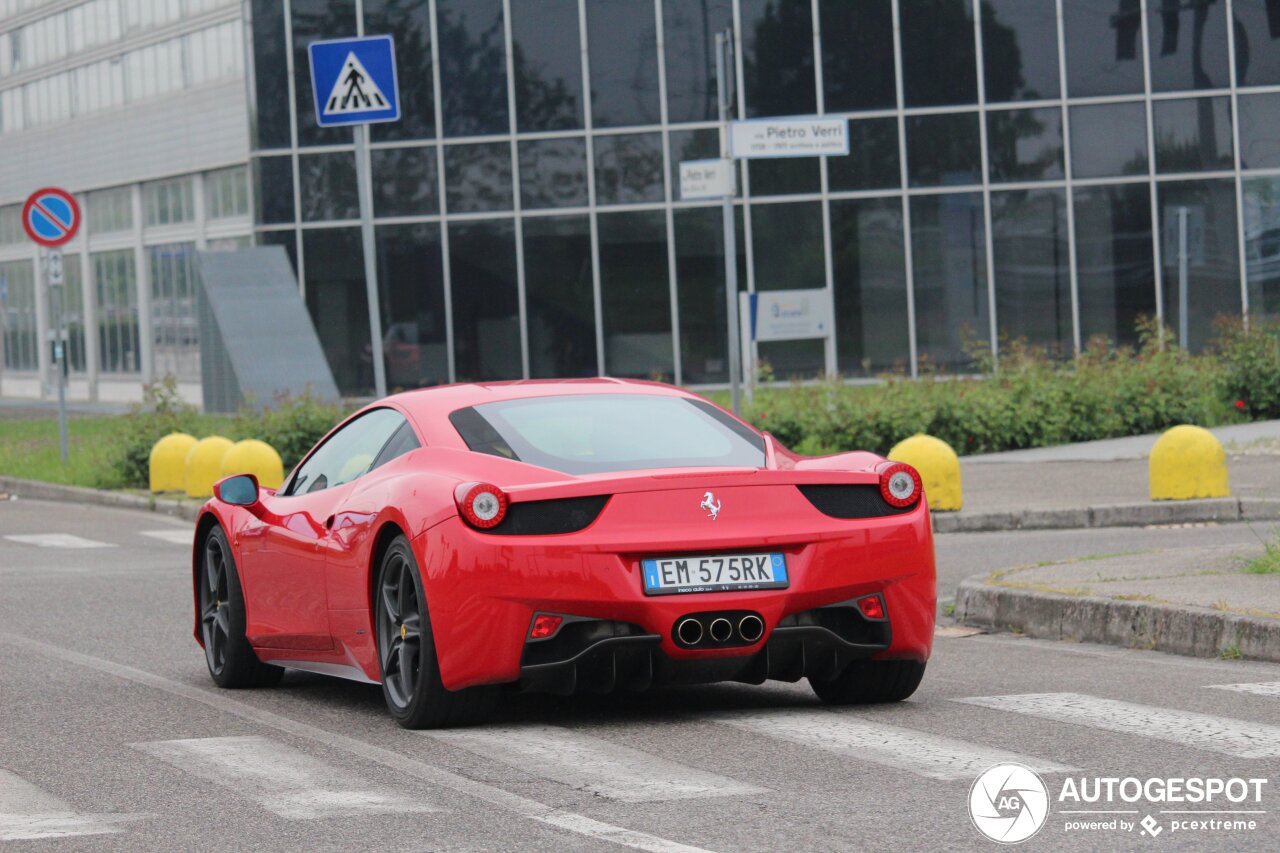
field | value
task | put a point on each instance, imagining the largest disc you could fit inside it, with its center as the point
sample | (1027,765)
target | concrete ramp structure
(256,337)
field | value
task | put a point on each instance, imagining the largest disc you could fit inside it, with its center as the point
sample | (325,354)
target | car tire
(867,682)
(231,660)
(411,685)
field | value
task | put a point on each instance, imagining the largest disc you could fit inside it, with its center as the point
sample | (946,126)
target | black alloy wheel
(411,685)
(232,661)
(399,629)
(215,604)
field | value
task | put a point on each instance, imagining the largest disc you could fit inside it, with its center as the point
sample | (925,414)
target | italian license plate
(678,575)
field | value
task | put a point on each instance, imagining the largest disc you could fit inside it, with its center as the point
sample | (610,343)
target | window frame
(286,488)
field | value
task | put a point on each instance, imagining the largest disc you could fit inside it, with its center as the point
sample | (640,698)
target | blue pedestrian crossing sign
(354,81)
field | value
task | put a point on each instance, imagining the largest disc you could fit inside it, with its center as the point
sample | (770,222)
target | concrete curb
(1193,631)
(1111,515)
(36,490)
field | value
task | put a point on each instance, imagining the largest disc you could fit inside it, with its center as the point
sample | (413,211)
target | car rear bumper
(483,591)
(617,655)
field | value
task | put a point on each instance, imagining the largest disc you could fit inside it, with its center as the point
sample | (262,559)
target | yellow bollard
(257,458)
(204,465)
(938,466)
(168,463)
(1188,462)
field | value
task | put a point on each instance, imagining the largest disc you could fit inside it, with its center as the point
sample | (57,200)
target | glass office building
(1017,168)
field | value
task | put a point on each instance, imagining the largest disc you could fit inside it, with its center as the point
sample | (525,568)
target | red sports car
(566,535)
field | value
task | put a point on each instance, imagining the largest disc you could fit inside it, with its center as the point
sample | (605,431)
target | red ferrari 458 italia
(595,534)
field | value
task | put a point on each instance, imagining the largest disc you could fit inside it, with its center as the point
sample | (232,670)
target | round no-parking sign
(51,217)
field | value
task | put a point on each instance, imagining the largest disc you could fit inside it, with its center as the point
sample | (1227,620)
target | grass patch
(113,451)
(29,447)
(1266,564)
(1230,653)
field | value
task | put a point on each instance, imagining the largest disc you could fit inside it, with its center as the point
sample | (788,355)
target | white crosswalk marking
(58,540)
(282,779)
(28,813)
(1261,688)
(176,535)
(589,763)
(931,756)
(1225,735)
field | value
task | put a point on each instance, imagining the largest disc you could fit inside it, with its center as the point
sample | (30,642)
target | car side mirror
(239,490)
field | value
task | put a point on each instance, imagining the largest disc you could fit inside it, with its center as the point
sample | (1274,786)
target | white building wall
(193,131)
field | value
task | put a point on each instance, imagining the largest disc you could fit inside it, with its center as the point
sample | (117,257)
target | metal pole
(364,188)
(724,47)
(53,284)
(1182,276)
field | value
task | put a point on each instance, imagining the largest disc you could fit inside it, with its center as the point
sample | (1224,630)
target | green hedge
(1030,401)
(1033,401)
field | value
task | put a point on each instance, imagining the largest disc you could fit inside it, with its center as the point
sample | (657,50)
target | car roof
(425,404)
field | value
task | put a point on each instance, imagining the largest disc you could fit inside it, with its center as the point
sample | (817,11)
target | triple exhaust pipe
(719,630)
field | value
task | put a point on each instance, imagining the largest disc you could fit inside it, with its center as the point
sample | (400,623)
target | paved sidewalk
(1055,485)
(21,409)
(1197,601)
(1238,437)
(1103,483)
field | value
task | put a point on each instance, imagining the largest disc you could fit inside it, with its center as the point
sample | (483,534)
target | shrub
(292,425)
(1033,400)
(1250,359)
(161,412)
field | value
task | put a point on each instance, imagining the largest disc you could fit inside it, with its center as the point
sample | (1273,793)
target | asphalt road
(113,738)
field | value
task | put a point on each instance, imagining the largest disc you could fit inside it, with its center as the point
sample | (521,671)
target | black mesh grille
(542,518)
(857,501)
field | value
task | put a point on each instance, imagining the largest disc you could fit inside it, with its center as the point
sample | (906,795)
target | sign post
(795,136)
(354,83)
(724,56)
(51,218)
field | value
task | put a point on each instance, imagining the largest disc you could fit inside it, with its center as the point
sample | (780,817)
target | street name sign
(707,179)
(813,136)
(787,315)
(51,217)
(353,81)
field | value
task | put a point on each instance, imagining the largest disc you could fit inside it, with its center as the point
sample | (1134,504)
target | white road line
(57,540)
(931,756)
(178,536)
(491,794)
(28,813)
(585,762)
(1241,738)
(282,779)
(1262,688)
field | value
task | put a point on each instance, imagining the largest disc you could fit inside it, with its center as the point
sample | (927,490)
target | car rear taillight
(483,505)
(900,484)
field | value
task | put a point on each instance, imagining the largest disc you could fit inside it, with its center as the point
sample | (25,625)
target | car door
(285,553)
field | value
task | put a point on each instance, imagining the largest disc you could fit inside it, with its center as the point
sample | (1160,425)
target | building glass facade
(1016,170)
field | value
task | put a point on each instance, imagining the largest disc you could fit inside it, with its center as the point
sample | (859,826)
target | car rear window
(599,433)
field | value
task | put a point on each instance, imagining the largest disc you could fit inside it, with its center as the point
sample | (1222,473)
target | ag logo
(1009,803)
(711,505)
